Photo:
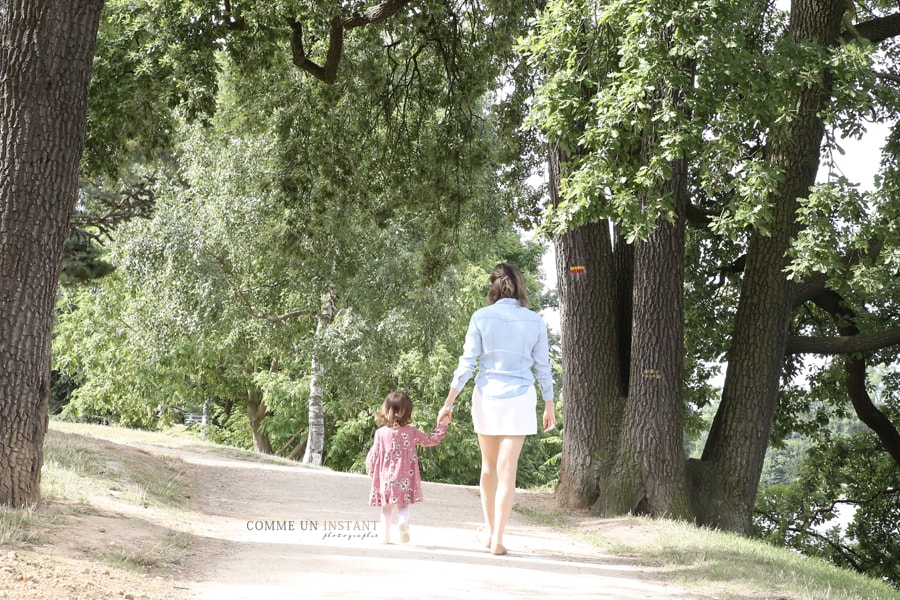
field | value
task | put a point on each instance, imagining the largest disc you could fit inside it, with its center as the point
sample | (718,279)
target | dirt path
(250,530)
(272,531)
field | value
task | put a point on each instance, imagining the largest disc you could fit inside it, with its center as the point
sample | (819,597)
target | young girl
(393,462)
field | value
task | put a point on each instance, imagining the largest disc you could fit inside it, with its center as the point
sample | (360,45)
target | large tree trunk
(649,473)
(315,444)
(45,69)
(593,390)
(726,478)
(256,412)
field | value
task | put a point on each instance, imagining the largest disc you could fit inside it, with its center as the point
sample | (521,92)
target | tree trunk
(649,474)
(256,412)
(45,70)
(726,478)
(315,445)
(593,390)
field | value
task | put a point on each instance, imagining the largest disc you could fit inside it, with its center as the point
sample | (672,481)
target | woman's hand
(444,416)
(549,416)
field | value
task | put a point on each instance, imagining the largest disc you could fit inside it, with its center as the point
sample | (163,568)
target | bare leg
(507,466)
(490,450)
(499,464)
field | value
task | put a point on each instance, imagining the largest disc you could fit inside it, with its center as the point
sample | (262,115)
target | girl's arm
(430,439)
(370,457)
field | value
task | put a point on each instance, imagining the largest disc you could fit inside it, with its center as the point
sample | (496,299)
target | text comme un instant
(327,525)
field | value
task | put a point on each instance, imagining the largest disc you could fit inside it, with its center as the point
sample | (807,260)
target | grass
(18,526)
(724,564)
(77,467)
(151,555)
(84,462)
(177,436)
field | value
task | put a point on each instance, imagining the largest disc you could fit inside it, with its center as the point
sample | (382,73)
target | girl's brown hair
(396,410)
(507,282)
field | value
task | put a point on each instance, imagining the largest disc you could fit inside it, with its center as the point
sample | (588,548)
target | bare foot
(404,533)
(498,549)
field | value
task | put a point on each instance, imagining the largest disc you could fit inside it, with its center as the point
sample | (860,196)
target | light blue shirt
(509,340)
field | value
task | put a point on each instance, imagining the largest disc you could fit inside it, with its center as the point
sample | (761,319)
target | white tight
(387,512)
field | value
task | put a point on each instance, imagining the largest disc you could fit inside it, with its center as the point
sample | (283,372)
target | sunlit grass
(157,555)
(177,436)
(18,525)
(724,564)
(77,466)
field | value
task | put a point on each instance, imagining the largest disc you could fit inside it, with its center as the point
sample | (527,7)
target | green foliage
(155,62)
(279,196)
(842,504)
(629,87)
(229,428)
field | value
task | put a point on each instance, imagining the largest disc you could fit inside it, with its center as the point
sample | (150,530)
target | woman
(510,341)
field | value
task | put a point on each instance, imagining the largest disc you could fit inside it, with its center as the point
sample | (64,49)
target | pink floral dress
(393,463)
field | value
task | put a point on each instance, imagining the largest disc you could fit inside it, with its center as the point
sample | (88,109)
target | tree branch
(845,344)
(809,289)
(876,30)
(249,307)
(137,202)
(698,216)
(327,73)
(375,14)
(816,285)
(888,76)
(855,366)
(867,412)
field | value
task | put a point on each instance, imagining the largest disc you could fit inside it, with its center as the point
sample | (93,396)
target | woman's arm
(451,398)
(540,354)
(468,360)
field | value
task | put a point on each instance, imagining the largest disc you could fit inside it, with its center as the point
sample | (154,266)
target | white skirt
(505,416)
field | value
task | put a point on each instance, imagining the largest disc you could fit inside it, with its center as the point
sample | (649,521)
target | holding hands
(444,416)
(447,410)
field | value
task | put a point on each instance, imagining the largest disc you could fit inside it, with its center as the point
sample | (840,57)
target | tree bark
(726,478)
(256,412)
(649,475)
(315,445)
(45,70)
(593,390)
